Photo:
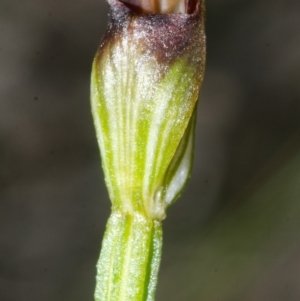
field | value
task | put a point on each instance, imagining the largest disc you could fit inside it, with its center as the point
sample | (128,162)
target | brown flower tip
(161,6)
(165,36)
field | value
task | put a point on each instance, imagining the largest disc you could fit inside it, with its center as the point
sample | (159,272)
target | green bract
(145,84)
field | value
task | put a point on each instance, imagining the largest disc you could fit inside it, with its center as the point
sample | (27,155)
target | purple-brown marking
(166,36)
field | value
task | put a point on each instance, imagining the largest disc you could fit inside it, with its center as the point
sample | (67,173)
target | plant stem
(129,259)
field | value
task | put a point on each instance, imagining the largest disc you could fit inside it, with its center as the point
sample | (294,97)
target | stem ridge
(130,258)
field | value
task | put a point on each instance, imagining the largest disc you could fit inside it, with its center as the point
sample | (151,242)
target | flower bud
(145,84)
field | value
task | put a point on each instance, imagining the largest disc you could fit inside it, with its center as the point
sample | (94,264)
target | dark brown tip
(190,6)
(134,6)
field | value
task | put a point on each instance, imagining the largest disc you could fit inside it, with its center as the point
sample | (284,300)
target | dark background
(234,234)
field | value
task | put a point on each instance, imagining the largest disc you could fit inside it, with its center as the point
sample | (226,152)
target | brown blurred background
(234,234)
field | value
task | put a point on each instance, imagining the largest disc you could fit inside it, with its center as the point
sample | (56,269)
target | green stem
(129,259)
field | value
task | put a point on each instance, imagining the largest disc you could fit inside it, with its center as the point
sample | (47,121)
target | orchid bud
(146,80)
(145,85)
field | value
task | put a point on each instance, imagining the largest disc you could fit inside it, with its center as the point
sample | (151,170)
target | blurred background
(234,234)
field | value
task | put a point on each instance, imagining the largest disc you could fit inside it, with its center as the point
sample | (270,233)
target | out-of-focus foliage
(233,236)
(239,255)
